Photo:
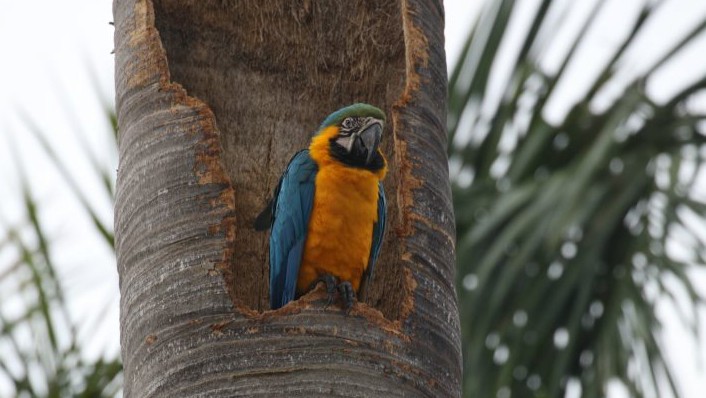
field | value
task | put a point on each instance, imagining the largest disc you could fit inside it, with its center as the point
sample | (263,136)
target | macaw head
(354,133)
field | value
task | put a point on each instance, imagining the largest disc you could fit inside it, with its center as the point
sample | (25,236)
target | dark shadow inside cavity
(270,72)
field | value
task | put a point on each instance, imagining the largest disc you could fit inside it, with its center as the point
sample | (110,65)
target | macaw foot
(345,289)
(331,283)
(347,295)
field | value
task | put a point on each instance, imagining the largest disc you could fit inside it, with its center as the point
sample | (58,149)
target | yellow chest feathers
(339,237)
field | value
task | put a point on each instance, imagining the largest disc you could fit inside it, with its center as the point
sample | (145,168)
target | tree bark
(196,168)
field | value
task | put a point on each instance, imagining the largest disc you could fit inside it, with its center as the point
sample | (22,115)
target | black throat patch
(354,159)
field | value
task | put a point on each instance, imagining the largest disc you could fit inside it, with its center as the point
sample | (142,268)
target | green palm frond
(41,354)
(50,364)
(563,230)
(61,166)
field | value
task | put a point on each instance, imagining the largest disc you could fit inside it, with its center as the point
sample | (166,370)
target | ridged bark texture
(196,168)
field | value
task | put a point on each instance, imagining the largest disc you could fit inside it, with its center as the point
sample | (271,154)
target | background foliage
(41,345)
(566,230)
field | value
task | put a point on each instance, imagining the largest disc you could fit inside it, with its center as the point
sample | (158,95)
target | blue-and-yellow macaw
(328,211)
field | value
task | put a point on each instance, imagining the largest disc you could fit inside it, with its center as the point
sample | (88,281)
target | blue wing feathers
(378,234)
(379,227)
(292,204)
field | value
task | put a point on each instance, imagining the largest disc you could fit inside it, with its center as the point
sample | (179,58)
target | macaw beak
(367,139)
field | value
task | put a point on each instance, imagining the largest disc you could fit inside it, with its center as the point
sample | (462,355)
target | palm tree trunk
(213,98)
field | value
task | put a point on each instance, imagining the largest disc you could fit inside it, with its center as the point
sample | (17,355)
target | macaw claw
(347,295)
(345,289)
(331,283)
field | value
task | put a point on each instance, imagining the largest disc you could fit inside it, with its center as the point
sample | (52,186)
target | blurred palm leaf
(40,351)
(563,230)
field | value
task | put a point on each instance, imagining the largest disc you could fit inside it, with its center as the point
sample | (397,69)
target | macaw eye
(347,123)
